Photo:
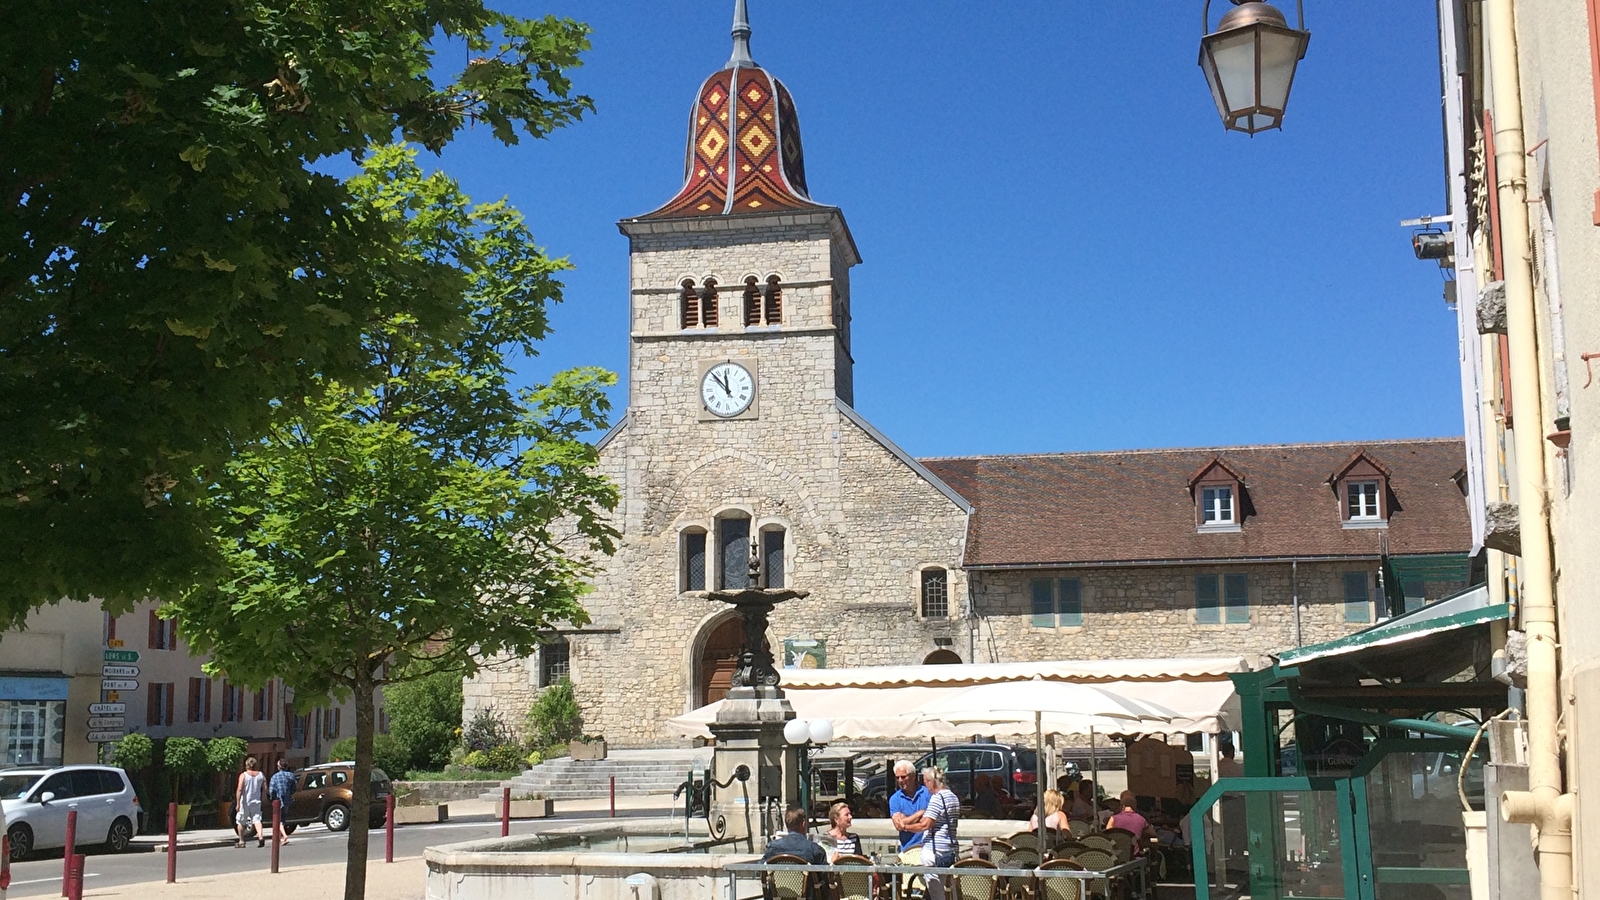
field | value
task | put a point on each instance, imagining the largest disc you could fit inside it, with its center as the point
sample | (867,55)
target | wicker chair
(848,885)
(975,886)
(1024,840)
(1079,827)
(1068,849)
(1099,842)
(1125,840)
(1061,888)
(1098,861)
(786,885)
(1002,844)
(1020,887)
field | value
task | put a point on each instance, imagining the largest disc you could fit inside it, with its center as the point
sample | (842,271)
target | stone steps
(637,773)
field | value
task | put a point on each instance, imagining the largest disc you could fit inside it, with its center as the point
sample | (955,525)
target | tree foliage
(420,524)
(425,715)
(174,257)
(388,753)
(226,754)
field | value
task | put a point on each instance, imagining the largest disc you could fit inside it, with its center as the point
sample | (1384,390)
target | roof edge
(1213,449)
(612,432)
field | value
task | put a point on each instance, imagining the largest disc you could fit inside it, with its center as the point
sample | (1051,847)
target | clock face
(727,389)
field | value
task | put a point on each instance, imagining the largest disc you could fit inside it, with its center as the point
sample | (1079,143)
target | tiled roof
(1136,505)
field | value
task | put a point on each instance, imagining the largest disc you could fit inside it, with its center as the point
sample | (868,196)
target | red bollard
(66,854)
(75,882)
(172,843)
(5,862)
(388,828)
(613,796)
(505,812)
(277,832)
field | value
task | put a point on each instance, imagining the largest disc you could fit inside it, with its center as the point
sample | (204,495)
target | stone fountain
(749,725)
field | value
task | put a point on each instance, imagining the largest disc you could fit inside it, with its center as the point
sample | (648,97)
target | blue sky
(1063,248)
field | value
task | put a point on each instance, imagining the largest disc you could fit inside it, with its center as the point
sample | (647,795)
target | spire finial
(741,37)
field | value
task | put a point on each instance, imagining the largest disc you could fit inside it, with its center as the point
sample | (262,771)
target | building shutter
(708,304)
(152,698)
(752,302)
(1044,603)
(1069,602)
(155,631)
(774,302)
(1207,605)
(1236,597)
(167,719)
(206,687)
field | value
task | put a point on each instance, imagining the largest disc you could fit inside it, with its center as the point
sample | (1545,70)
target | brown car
(322,794)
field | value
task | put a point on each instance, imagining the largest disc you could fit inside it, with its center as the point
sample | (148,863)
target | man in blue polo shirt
(906,806)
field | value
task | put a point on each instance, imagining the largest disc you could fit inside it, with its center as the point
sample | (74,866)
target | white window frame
(1374,497)
(1209,495)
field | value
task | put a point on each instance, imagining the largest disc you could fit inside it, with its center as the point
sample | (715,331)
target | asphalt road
(310,845)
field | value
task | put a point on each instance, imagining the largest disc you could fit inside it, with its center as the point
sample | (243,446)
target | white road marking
(45,880)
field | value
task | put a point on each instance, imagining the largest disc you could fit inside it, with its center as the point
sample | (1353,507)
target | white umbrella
(1065,707)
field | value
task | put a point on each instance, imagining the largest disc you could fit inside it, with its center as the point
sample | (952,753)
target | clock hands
(723,381)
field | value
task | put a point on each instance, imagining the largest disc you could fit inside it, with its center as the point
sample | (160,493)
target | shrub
(225,754)
(534,758)
(388,754)
(505,757)
(477,759)
(486,730)
(425,715)
(185,761)
(555,717)
(133,753)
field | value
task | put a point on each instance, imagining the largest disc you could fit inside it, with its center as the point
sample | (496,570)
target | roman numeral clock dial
(727,389)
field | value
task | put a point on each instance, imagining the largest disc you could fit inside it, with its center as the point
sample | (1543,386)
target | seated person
(1083,802)
(795,842)
(1129,818)
(1053,816)
(1108,808)
(986,800)
(845,843)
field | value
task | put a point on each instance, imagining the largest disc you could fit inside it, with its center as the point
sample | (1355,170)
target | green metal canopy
(1460,610)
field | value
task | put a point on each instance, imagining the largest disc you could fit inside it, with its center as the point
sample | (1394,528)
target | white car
(37,800)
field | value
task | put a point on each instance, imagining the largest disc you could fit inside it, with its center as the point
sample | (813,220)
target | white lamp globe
(796,731)
(821,731)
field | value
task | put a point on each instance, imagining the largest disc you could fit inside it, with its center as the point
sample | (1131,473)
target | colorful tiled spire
(744,153)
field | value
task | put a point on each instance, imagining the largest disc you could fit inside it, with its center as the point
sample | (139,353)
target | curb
(161,845)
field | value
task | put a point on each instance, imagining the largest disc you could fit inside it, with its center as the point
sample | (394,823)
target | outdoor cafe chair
(1097,861)
(785,885)
(1002,844)
(975,886)
(1018,886)
(1061,888)
(1023,840)
(1099,842)
(1067,849)
(1079,827)
(849,885)
(1125,840)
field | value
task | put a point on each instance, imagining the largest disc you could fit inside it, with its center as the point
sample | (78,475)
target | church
(740,438)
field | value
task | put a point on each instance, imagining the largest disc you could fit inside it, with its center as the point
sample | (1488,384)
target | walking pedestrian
(281,789)
(247,796)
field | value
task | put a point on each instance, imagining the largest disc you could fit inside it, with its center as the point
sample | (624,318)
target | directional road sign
(118,684)
(122,656)
(105,723)
(107,709)
(119,671)
(104,737)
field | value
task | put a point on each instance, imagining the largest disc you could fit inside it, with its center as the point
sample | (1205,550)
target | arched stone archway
(718,658)
(942,657)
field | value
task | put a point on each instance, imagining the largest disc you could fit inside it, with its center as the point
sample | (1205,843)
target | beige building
(740,433)
(52,671)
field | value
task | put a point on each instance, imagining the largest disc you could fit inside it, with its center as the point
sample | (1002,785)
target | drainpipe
(1294,597)
(1544,804)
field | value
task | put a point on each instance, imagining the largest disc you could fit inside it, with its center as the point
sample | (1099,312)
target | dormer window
(1362,487)
(1216,505)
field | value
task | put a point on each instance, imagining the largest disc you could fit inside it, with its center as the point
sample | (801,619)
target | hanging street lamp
(1249,62)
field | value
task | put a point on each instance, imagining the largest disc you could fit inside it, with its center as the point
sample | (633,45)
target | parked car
(37,800)
(1015,766)
(323,794)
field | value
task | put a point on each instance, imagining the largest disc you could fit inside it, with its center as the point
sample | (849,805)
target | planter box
(530,809)
(587,750)
(427,814)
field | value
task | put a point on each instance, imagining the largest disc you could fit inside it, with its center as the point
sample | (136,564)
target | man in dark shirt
(281,788)
(795,842)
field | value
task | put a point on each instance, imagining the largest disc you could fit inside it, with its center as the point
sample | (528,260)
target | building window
(763,304)
(733,553)
(262,704)
(299,729)
(693,542)
(199,699)
(158,704)
(31,732)
(332,722)
(1057,602)
(935,594)
(752,301)
(1230,605)
(383,720)
(163,632)
(555,662)
(1357,601)
(1362,501)
(772,556)
(1216,505)
(689,305)
(232,703)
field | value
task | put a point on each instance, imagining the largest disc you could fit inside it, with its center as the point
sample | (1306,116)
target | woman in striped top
(845,843)
(943,814)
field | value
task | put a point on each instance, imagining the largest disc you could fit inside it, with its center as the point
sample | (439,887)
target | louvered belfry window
(708,304)
(689,305)
(773,312)
(752,302)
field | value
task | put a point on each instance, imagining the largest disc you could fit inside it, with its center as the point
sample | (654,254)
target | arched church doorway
(942,657)
(718,661)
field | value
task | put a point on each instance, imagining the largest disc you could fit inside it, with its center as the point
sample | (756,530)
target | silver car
(37,800)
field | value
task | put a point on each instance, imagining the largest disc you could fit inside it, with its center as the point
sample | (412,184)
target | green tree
(425,715)
(438,517)
(174,257)
(388,754)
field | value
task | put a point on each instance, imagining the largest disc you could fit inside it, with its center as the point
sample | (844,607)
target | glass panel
(1272,844)
(1236,67)
(694,561)
(1044,612)
(772,557)
(1280,52)
(1206,611)
(733,544)
(85,782)
(32,732)
(1236,589)
(1356,607)
(935,595)
(1071,602)
(1415,818)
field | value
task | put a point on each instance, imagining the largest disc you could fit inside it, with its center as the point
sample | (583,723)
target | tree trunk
(355,871)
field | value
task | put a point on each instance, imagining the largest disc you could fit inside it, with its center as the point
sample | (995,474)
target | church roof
(1136,506)
(744,155)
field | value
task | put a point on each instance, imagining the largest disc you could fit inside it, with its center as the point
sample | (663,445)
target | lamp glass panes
(1250,69)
